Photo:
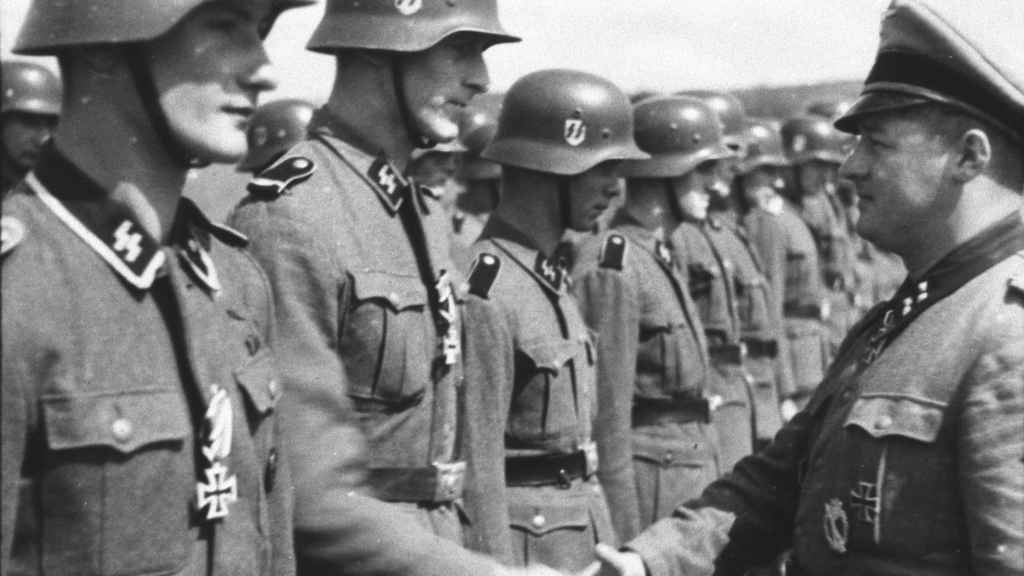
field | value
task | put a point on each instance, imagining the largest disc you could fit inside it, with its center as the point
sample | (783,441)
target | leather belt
(654,412)
(761,348)
(437,484)
(728,353)
(811,311)
(552,469)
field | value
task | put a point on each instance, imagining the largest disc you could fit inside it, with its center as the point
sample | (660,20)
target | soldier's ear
(973,155)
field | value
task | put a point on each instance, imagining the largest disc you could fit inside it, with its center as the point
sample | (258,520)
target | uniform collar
(113,232)
(392,187)
(549,271)
(642,236)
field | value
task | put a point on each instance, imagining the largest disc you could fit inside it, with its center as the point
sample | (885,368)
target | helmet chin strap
(564,202)
(142,76)
(398,79)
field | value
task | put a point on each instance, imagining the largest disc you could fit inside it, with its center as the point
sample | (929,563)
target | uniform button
(668,458)
(274,387)
(121,429)
(271,471)
(539,521)
(883,422)
(393,298)
(844,396)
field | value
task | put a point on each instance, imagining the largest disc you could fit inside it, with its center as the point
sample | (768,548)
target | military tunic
(792,267)
(117,351)
(532,494)
(825,217)
(760,327)
(656,445)
(910,457)
(366,339)
(711,278)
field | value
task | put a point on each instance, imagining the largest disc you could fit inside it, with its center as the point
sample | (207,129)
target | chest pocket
(894,446)
(701,277)
(388,342)
(257,379)
(669,360)
(752,304)
(550,398)
(797,274)
(107,452)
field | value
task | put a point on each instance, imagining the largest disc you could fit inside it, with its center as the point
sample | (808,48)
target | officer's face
(897,169)
(441,81)
(209,71)
(591,193)
(24,136)
(817,176)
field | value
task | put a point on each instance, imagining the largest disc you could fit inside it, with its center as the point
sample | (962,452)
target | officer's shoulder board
(12,232)
(280,176)
(613,252)
(482,274)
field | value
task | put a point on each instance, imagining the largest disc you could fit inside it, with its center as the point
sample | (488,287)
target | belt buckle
(450,478)
(590,457)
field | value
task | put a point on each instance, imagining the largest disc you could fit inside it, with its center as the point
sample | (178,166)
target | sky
(665,45)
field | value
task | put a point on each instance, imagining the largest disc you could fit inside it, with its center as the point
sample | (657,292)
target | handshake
(610,562)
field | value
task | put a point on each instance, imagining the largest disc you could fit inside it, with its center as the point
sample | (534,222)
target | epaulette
(482,274)
(775,206)
(430,191)
(613,253)
(12,232)
(278,178)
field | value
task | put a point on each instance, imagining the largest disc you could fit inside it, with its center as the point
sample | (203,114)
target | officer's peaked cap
(963,54)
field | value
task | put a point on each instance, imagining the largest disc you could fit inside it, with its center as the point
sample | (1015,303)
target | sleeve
(336,528)
(742,520)
(489,357)
(15,435)
(990,453)
(610,309)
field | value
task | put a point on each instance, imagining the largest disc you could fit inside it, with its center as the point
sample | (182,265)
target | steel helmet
(728,107)
(831,109)
(763,146)
(679,132)
(273,129)
(809,138)
(30,88)
(54,25)
(404,25)
(476,133)
(563,122)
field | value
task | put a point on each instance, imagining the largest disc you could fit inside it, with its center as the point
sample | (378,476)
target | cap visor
(875,102)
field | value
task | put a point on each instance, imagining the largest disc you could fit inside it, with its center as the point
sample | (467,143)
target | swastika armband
(482,274)
(278,178)
(613,253)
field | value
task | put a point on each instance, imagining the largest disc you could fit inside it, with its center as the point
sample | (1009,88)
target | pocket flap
(699,271)
(887,415)
(122,420)
(399,292)
(540,520)
(549,355)
(258,380)
(672,452)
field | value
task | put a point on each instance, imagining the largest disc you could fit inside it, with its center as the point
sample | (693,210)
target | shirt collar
(113,232)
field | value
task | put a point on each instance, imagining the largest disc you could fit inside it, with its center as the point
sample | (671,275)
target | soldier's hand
(612,562)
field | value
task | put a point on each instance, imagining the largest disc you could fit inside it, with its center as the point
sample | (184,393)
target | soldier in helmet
(653,374)
(366,294)
(28,115)
(690,141)
(139,393)
(533,494)
(274,128)
(790,262)
(480,179)
(815,150)
(756,305)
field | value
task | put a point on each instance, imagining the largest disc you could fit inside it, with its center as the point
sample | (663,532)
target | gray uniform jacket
(361,349)
(529,398)
(114,350)
(652,428)
(909,459)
